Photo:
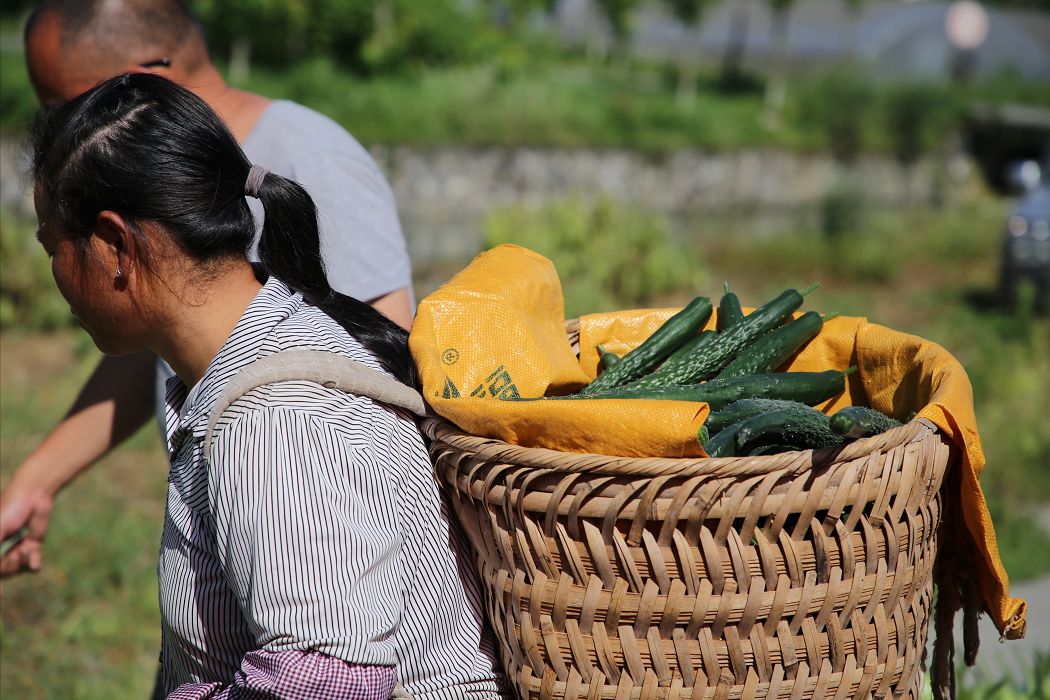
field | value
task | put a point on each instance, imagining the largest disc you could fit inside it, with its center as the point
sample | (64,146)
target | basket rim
(442,430)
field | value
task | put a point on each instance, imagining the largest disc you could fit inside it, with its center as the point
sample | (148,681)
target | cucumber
(606,359)
(774,348)
(804,428)
(809,388)
(724,443)
(857,421)
(714,356)
(703,435)
(667,338)
(692,345)
(729,311)
(742,410)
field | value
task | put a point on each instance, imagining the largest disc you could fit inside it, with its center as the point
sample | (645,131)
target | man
(71,45)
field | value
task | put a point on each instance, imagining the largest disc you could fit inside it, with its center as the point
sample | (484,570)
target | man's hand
(24,513)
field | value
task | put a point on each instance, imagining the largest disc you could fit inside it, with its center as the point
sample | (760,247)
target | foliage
(608,256)
(917,116)
(366,36)
(837,103)
(619,14)
(28,297)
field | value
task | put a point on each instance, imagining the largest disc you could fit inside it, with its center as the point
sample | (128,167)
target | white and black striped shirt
(316,526)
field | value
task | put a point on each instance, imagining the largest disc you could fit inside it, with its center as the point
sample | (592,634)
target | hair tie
(255,180)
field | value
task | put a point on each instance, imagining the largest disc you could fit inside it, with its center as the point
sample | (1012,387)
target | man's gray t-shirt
(361,241)
(362,245)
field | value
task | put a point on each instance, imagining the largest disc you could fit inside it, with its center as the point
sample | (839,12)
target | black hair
(153,152)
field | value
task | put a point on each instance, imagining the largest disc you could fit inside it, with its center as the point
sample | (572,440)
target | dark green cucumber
(729,311)
(674,332)
(775,347)
(703,435)
(855,422)
(804,428)
(692,345)
(715,355)
(723,444)
(809,388)
(606,359)
(744,409)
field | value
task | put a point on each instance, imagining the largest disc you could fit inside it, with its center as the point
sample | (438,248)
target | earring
(120,272)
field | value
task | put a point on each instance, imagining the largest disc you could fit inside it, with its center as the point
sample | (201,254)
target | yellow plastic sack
(496,331)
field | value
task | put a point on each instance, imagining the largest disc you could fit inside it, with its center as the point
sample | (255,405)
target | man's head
(72,45)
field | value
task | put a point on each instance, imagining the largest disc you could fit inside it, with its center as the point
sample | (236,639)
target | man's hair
(166,25)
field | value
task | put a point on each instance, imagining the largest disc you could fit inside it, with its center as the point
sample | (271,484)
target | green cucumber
(703,435)
(805,428)
(665,340)
(775,347)
(692,345)
(742,410)
(729,312)
(809,388)
(723,444)
(715,355)
(854,422)
(606,359)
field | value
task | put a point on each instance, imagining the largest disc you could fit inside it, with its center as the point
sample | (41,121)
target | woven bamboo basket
(800,575)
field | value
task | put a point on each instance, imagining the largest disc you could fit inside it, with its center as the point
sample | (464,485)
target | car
(1026,247)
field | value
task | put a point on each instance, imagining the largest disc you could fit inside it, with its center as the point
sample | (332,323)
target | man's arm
(397,306)
(115,402)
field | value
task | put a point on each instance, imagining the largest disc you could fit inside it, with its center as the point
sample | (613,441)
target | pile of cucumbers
(755,410)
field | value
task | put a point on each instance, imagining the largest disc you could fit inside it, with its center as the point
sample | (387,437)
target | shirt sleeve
(307,530)
(295,675)
(362,244)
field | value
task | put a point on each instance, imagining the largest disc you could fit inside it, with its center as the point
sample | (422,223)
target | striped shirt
(315,526)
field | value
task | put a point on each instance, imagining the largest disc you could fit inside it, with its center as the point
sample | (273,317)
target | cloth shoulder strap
(325,368)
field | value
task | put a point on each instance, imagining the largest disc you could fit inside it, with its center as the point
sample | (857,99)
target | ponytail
(290,250)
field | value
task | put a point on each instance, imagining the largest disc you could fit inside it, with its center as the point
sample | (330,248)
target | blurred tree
(276,32)
(733,58)
(854,8)
(409,35)
(511,13)
(688,12)
(619,14)
(776,89)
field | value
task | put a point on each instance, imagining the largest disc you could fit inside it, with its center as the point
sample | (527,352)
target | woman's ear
(116,244)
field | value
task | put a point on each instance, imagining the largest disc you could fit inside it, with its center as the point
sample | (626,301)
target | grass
(87,625)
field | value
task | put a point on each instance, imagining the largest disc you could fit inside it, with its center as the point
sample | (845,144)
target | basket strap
(325,368)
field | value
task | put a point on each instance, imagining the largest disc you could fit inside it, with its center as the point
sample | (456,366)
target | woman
(309,554)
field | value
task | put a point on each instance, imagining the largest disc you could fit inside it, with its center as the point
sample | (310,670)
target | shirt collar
(274,303)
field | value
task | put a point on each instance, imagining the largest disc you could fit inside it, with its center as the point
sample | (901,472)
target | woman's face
(88,278)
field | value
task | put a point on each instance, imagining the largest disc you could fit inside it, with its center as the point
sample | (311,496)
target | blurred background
(896,152)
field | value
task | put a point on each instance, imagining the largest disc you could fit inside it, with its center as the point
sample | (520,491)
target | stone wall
(444,194)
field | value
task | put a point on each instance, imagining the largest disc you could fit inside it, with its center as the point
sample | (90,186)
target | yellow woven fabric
(497,331)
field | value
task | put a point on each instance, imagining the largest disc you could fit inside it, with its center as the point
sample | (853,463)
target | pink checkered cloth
(296,675)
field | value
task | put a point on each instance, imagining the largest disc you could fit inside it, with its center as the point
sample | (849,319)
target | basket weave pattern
(801,575)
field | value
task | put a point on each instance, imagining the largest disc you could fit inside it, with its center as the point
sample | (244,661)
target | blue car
(1026,247)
